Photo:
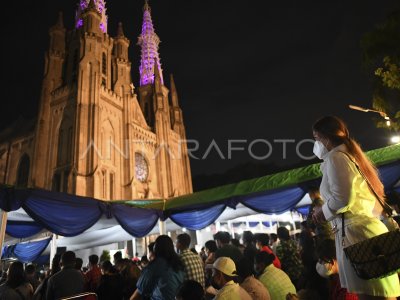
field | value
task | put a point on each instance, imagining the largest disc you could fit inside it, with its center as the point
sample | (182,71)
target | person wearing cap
(223,275)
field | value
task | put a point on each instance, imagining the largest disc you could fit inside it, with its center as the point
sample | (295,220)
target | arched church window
(141,167)
(23,171)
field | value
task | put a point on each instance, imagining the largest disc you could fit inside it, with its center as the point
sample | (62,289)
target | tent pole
(231,230)
(53,247)
(162,228)
(3,215)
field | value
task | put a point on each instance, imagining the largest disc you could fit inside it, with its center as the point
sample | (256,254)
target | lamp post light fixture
(381,113)
(395,139)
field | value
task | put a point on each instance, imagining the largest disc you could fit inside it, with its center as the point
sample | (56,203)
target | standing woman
(16,286)
(346,193)
(164,275)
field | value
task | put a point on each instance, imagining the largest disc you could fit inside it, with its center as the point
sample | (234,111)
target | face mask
(324,270)
(319,149)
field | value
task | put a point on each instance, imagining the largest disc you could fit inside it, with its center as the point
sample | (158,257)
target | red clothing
(276,262)
(93,277)
(337,292)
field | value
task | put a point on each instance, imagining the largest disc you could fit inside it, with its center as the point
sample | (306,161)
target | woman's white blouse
(343,188)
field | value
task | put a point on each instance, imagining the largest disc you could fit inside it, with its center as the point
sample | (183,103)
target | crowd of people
(256,266)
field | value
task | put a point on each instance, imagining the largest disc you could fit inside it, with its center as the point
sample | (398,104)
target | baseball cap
(226,266)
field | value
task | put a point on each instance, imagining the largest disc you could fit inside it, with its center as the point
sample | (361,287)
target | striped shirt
(194,269)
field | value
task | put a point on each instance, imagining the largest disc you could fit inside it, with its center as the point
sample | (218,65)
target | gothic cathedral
(97,135)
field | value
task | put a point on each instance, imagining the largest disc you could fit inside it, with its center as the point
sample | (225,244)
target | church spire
(120,30)
(148,41)
(99,5)
(60,21)
(174,94)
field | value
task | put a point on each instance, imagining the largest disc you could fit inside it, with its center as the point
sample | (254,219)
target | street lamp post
(395,139)
(382,114)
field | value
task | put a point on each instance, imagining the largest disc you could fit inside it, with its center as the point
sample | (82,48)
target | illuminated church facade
(96,134)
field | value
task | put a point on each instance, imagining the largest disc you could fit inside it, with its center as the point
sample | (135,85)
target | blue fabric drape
(304,210)
(42,260)
(136,221)
(22,229)
(390,174)
(70,215)
(198,219)
(268,224)
(274,202)
(11,199)
(253,224)
(26,252)
(65,214)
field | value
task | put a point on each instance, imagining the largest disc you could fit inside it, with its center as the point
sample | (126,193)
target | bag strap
(386,207)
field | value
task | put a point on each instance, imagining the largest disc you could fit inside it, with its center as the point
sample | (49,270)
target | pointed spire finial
(60,20)
(146,5)
(92,5)
(174,94)
(172,82)
(120,30)
(156,70)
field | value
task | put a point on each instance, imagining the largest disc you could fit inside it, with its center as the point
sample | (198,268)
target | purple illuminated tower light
(148,41)
(101,8)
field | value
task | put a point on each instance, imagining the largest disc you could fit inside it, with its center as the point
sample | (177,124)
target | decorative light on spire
(101,8)
(148,41)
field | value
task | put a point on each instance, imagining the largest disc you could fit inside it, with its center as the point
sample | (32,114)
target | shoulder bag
(379,256)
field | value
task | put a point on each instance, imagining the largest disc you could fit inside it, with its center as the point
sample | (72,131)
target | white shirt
(343,188)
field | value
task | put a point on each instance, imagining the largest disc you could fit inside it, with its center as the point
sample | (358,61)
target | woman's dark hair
(283,233)
(16,275)
(191,290)
(211,245)
(264,257)
(55,264)
(326,250)
(335,130)
(164,248)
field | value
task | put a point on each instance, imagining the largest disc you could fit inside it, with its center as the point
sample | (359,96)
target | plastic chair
(81,296)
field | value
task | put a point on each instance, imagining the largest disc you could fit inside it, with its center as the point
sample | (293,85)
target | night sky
(243,69)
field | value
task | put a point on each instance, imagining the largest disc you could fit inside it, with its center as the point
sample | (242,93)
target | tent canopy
(33,210)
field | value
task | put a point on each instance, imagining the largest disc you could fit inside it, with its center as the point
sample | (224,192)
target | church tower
(154,101)
(95,136)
